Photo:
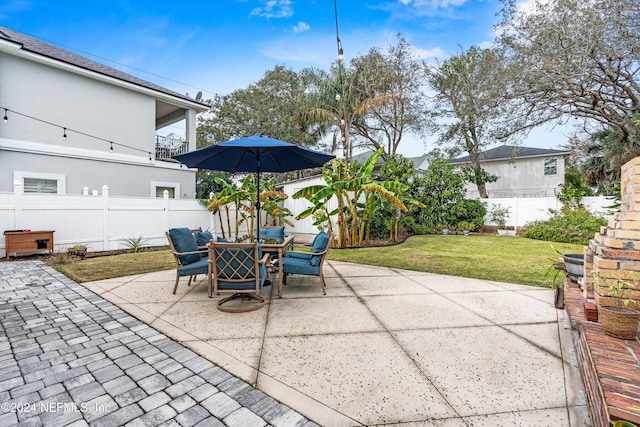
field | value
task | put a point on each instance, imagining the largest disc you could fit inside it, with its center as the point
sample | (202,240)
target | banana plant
(222,200)
(353,187)
(271,200)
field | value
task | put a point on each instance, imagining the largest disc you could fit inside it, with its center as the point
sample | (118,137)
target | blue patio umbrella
(257,153)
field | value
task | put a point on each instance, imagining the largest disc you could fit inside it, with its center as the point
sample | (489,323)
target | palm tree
(340,102)
(605,155)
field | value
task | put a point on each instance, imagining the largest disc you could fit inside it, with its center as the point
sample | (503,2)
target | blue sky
(223,45)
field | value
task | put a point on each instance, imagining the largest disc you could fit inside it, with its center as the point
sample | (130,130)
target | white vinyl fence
(523,210)
(103,222)
(100,222)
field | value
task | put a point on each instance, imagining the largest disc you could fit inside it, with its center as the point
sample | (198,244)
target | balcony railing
(169,146)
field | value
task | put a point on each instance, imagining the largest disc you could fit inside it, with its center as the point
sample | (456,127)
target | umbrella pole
(258,197)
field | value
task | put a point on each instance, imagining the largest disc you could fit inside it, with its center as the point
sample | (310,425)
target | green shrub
(474,212)
(136,244)
(412,227)
(566,226)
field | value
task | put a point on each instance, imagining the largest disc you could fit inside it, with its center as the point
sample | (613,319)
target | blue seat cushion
(249,284)
(184,241)
(272,233)
(302,255)
(299,266)
(199,267)
(319,245)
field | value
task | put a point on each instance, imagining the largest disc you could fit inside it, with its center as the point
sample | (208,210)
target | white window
(44,183)
(171,190)
(40,185)
(157,189)
(551,166)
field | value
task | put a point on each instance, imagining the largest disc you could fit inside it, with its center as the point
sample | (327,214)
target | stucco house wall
(111,120)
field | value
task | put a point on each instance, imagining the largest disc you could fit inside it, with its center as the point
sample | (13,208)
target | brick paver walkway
(68,357)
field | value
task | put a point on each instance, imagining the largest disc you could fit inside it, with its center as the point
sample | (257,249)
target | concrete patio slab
(487,370)
(319,316)
(384,346)
(376,383)
(431,311)
(507,307)
(300,287)
(451,284)
(375,285)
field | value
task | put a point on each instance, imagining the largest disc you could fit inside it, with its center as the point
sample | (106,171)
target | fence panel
(523,210)
(99,222)
(105,223)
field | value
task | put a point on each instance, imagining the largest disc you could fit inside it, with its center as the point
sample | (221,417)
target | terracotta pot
(619,322)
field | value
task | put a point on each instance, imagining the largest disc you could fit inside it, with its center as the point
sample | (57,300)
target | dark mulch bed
(46,257)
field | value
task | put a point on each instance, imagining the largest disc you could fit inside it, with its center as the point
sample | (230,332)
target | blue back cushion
(272,233)
(184,241)
(223,240)
(319,245)
(203,237)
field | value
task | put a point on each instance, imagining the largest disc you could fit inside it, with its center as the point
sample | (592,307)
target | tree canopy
(577,59)
(269,107)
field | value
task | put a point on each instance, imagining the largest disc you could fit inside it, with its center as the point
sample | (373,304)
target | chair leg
(324,290)
(284,278)
(190,278)
(175,287)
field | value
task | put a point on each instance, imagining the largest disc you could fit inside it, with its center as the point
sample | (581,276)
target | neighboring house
(74,125)
(522,171)
(362,157)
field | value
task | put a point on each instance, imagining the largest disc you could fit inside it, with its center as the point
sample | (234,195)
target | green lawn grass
(498,258)
(107,267)
(503,259)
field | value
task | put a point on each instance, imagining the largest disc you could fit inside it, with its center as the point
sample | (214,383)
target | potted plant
(79,251)
(618,320)
(465,227)
(499,215)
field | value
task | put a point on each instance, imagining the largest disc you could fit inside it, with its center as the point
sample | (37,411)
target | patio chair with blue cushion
(190,251)
(239,268)
(308,263)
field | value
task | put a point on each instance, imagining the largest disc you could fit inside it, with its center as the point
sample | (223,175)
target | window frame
(61,180)
(550,170)
(158,184)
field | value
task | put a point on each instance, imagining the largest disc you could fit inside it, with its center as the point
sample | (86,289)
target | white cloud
(434,4)
(435,53)
(274,9)
(302,26)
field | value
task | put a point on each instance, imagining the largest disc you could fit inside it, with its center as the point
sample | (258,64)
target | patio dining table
(273,247)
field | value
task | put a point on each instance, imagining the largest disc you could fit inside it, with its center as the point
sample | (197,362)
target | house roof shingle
(39,47)
(511,151)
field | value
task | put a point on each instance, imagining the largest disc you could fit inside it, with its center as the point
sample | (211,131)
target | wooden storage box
(27,241)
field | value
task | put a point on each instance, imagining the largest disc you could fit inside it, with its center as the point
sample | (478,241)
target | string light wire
(65,129)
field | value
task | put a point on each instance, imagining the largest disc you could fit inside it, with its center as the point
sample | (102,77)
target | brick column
(616,249)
